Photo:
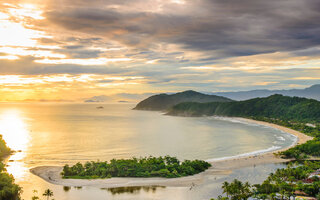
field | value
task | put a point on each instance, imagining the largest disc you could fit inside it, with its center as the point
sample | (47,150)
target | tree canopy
(169,167)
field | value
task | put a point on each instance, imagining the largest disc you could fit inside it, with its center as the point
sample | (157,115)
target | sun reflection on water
(16,134)
(14,130)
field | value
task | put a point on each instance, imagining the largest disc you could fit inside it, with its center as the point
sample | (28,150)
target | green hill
(165,101)
(275,106)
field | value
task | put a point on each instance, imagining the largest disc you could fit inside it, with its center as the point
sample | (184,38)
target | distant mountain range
(312,92)
(98,99)
(163,102)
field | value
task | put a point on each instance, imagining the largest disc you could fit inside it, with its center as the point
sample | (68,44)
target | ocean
(55,134)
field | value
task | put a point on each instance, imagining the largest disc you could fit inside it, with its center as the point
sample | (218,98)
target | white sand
(219,168)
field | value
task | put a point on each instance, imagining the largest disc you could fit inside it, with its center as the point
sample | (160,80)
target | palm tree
(48,193)
(272,196)
(226,188)
(34,197)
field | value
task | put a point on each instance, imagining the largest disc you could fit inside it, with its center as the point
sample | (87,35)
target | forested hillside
(275,106)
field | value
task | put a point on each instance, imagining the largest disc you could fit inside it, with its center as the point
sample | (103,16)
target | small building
(307,180)
(305,198)
(300,193)
(311,125)
(316,173)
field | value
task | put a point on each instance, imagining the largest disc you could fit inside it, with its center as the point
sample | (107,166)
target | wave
(240,121)
(281,138)
(234,120)
(253,153)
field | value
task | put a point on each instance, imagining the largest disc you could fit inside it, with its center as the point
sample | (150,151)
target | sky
(71,50)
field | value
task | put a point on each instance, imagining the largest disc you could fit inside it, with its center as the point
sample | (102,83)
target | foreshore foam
(253,153)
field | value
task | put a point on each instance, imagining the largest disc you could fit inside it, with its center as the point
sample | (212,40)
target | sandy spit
(219,168)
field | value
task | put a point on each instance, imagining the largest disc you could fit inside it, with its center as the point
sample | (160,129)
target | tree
(237,190)
(34,197)
(220,198)
(226,188)
(48,193)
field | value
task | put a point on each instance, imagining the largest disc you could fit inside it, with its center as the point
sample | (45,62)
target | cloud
(172,45)
(224,28)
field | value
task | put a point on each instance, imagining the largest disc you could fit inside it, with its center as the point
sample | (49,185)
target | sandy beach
(219,168)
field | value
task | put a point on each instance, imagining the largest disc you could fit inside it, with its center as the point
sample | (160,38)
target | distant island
(162,102)
(168,167)
(123,101)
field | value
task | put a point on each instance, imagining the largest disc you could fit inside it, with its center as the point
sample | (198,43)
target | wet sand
(219,168)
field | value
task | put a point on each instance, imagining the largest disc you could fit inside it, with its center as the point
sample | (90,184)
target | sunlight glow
(178,1)
(9,57)
(16,79)
(26,10)
(15,132)
(92,61)
(15,34)
(26,52)
(3,16)
(19,80)
(17,168)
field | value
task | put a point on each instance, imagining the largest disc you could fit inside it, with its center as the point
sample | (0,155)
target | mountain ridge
(275,106)
(164,101)
(312,92)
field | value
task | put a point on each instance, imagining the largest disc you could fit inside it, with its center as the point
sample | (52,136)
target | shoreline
(220,167)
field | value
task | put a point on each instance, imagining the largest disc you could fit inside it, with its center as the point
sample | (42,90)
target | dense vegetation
(275,106)
(169,167)
(164,101)
(306,128)
(8,189)
(4,150)
(284,183)
(302,151)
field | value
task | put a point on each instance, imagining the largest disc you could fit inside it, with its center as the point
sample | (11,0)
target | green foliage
(286,181)
(295,125)
(4,150)
(47,193)
(236,190)
(169,167)
(8,189)
(283,182)
(275,106)
(302,151)
(299,152)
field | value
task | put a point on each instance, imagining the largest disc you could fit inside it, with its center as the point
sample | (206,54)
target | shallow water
(57,134)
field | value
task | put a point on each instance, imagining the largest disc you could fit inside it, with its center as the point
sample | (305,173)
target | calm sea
(58,134)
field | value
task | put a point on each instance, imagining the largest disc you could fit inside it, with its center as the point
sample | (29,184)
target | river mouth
(58,134)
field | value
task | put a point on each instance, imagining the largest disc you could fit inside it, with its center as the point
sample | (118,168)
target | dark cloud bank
(226,28)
